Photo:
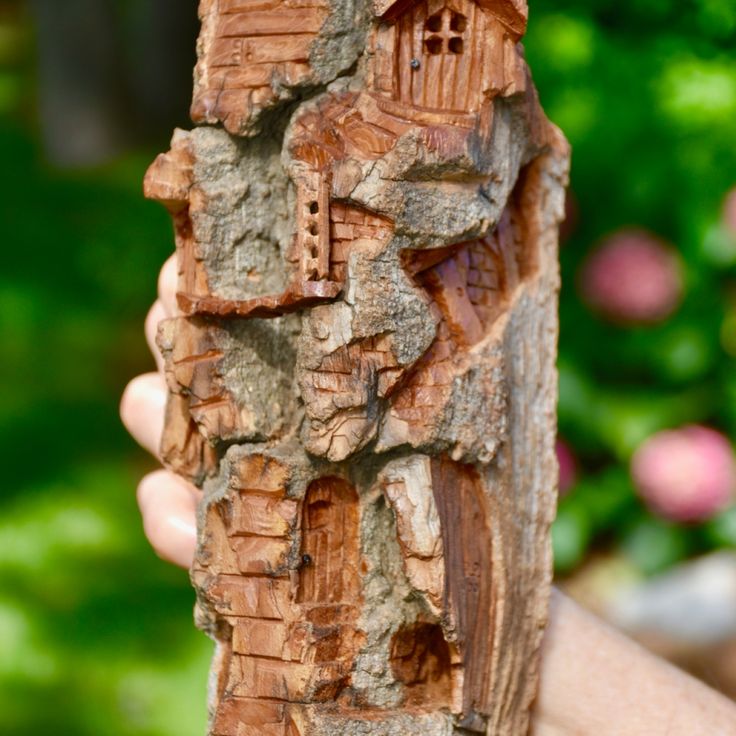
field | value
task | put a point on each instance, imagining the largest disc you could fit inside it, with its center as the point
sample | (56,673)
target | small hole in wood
(458,23)
(420,660)
(455,45)
(313,229)
(433,45)
(434,23)
(313,208)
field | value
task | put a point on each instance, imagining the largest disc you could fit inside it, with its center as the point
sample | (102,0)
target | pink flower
(729,212)
(686,474)
(568,466)
(633,277)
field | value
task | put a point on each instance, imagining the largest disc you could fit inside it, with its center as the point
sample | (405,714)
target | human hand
(167,502)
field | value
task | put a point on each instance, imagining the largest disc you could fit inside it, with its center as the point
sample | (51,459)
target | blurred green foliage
(96,632)
(646,93)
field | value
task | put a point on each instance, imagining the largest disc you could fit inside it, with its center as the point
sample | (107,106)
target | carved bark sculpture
(362,379)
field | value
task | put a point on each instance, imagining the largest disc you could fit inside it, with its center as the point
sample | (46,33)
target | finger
(155,314)
(167,286)
(168,505)
(142,410)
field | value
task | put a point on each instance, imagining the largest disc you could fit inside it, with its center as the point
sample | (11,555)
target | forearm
(596,682)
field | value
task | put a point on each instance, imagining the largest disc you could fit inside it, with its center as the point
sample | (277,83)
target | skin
(593,680)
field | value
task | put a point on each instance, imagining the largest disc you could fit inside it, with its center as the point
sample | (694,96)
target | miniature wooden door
(439,50)
(330,542)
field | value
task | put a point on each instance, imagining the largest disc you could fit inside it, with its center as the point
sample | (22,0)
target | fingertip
(168,505)
(142,408)
(168,279)
(156,314)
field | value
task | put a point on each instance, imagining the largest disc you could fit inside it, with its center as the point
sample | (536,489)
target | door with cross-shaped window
(439,55)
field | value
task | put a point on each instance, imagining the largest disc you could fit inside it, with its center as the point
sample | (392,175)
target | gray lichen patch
(241,224)
(388,603)
(383,299)
(258,372)
(236,376)
(341,40)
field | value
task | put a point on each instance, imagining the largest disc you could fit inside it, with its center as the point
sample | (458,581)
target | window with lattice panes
(443,33)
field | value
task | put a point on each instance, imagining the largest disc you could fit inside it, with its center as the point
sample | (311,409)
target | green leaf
(570,538)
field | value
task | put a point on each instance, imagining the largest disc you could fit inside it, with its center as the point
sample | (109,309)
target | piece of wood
(363,376)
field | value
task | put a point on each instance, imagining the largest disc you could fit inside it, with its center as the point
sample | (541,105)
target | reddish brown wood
(421,660)
(362,379)
(464,513)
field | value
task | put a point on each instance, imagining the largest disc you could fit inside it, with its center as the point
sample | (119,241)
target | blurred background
(95,632)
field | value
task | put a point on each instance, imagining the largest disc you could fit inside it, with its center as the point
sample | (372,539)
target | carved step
(253,597)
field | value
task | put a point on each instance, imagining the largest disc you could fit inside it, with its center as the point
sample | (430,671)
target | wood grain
(362,377)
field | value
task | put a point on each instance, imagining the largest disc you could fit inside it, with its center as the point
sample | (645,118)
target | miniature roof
(512,13)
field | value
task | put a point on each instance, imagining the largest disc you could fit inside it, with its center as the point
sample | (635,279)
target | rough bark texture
(362,379)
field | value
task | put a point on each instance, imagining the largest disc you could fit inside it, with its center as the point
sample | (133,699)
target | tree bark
(363,376)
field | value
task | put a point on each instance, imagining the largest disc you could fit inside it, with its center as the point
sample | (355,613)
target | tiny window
(433,45)
(455,45)
(434,23)
(313,208)
(458,23)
